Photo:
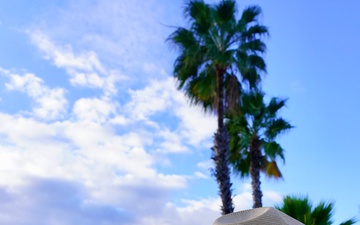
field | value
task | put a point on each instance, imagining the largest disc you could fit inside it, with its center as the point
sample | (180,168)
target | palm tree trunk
(255,167)
(220,95)
(222,171)
(221,151)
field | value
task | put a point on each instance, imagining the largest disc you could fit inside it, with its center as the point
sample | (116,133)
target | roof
(258,216)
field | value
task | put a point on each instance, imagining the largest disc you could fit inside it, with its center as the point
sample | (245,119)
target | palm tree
(301,208)
(218,51)
(253,132)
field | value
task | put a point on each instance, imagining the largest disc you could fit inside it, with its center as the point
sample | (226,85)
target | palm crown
(253,146)
(218,46)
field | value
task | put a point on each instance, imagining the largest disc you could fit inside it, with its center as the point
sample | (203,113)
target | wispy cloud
(84,68)
(50,103)
(127,34)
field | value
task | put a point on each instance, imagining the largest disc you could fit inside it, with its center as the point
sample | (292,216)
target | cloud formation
(84,68)
(128,151)
(49,103)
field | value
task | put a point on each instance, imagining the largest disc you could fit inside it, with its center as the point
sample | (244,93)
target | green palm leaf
(250,14)
(276,127)
(225,12)
(301,208)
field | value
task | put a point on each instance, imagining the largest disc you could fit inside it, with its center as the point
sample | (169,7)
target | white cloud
(64,57)
(50,103)
(94,109)
(154,98)
(118,30)
(84,152)
(119,120)
(172,142)
(205,165)
(272,197)
(84,68)
(195,126)
(201,175)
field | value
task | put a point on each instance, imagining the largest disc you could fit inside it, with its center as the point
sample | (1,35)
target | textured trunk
(221,151)
(220,99)
(255,167)
(222,170)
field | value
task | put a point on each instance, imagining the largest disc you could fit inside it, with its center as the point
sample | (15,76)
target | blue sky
(94,132)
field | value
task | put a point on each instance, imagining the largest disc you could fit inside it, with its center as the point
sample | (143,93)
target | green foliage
(302,209)
(217,42)
(257,120)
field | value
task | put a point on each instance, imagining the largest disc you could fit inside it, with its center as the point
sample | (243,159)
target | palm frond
(273,150)
(272,170)
(322,213)
(255,30)
(183,39)
(252,102)
(201,90)
(240,161)
(251,77)
(222,58)
(301,208)
(276,127)
(255,46)
(238,125)
(257,62)
(250,14)
(185,69)
(298,208)
(199,15)
(225,11)
(275,105)
(349,222)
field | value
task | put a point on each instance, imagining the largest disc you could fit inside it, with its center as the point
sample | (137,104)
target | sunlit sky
(93,130)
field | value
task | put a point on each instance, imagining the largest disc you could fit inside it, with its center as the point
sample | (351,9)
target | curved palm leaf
(271,169)
(274,105)
(276,127)
(301,208)
(250,14)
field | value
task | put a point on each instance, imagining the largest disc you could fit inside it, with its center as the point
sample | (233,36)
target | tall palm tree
(301,208)
(253,133)
(218,51)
